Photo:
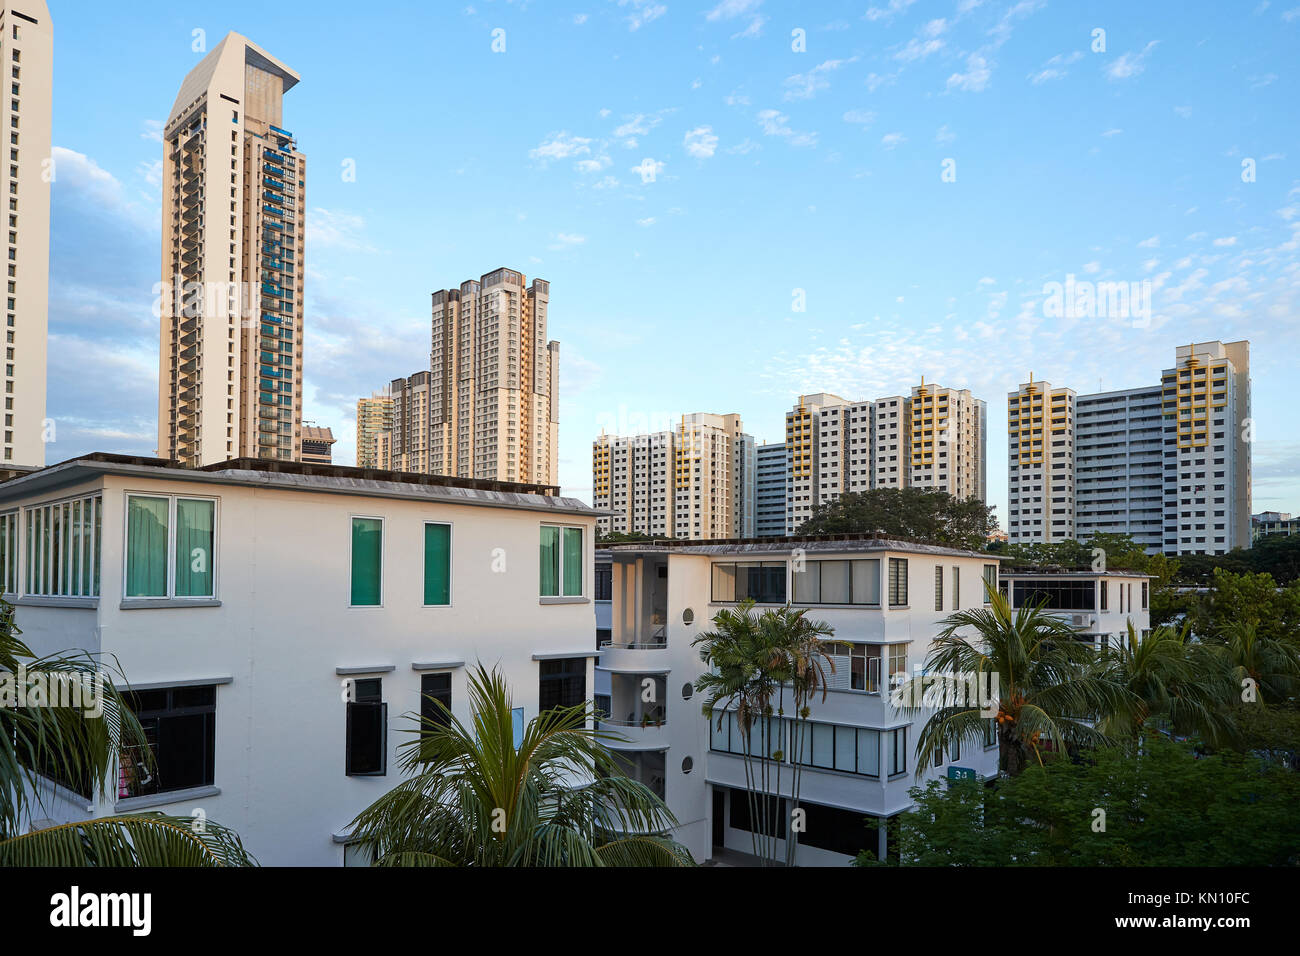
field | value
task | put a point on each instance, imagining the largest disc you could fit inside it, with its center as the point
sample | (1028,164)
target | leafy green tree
(67,744)
(919,513)
(1264,670)
(1050,686)
(472,798)
(1248,598)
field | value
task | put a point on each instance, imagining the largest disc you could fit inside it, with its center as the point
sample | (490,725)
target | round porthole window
(687,690)
(688,616)
(687,764)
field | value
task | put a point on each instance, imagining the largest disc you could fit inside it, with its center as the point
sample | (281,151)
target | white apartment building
(883,598)
(374,416)
(1099,605)
(1040,463)
(27,52)
(771,468)
(494,381)
(233,225)
(242,602)
(697,481)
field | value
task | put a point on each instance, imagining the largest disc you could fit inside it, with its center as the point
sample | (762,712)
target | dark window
(435,687)
(563,683)
(767,809)
(897,582)
(604,582)
(603,635)
(180,726)
(367,730)
(762,581)
(1058,595)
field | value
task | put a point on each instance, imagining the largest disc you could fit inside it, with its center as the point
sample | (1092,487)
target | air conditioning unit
(1081,620)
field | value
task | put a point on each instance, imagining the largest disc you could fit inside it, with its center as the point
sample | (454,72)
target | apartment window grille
(897,582)
(62,548)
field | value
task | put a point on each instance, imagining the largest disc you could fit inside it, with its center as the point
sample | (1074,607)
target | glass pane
(866,582)
(808,583)
(869,752)
(724,582)
(146,547)
(573,562)
(550,562)
(517,724)
(823,745)
(845,745)
(437,564)
(747,581)
(194,555)
(718,734)
(835,582)
(367,556)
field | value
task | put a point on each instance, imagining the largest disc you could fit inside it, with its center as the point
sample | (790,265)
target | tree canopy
(923,514)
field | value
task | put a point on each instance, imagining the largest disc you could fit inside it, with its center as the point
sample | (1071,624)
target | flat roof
(820,543)
(1069,572)
(302,476)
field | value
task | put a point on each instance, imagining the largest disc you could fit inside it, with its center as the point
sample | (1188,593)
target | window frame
(383,537)
(172,712)
(424,577)
(171,596)
(560,597)
(891,579)
(383,729)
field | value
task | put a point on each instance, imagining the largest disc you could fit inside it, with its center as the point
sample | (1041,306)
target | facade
(1269,523)
(494,381)
(317,445)
(697,481)
(374,416)
(27,51)
(1040,463)
(1168,464)
(234,217)
(884,600)
(282,717)
(815,458)
(408,448)
(1100,605)
(769,496)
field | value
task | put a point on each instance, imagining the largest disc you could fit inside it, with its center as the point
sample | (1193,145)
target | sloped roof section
(233,50)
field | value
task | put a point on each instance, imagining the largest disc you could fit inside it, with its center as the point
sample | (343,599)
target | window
(435,689)
(897,664)
(1145,596)
(9,553)
(990,582)
(938,587)
(563,683)
(956,588)
(1056,595)
(561,562)
(367,562)
(1103,588)
(990,732)
(62,548)
(838,582)
(367,730)
(604,584)
(517,725)
(180,729)
(170,547)
(764,581)
(898,582)
(437,564)
(898,751)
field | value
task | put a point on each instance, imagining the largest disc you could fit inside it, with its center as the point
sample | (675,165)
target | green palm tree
(1272,665)
(755,661)
(42,742)
(1051,687)
(1176,681)
(472,798)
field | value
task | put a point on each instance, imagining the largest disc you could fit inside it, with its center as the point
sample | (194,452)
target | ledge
(140,604)
(186,682)
(376,669)
(35,600)
(557,655)
(131,804)
(436,665)
(564,600)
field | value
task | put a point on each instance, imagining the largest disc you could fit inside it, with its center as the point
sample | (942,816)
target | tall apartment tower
(769,497)
(1206,408)
(817,459)
(374,417)
(1119,471)
(409,448)
(697,481)
(493,383)
(234,208)
(940,439)
(27,52)
(1040,463)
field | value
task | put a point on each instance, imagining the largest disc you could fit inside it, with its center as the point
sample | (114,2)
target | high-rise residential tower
(493,383)
(408,448)
(27,52)
(374,417)
(769,496)
(1040,463)
(230,363)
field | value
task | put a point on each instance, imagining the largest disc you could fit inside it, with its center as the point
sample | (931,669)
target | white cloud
(648,169)
(890,140)
(642,12)
(776,123)
(888,13)
(561,146)
(860,117)
(579,19)
(701,142)
(976,77)
(1114,131)
(1055,68)
(567,240)
(803,86)
(944,135)
(339,230)
(745,146)
(1129,64)
(1226,241)
(1152,243)
(648,221)
(152,130)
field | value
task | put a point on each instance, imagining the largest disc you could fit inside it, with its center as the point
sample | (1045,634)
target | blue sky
(683,177)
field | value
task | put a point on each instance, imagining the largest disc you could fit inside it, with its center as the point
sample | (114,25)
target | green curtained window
(194,520)
(550,568)
(367,561)
(146,547)
(573,562)
(437,564)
